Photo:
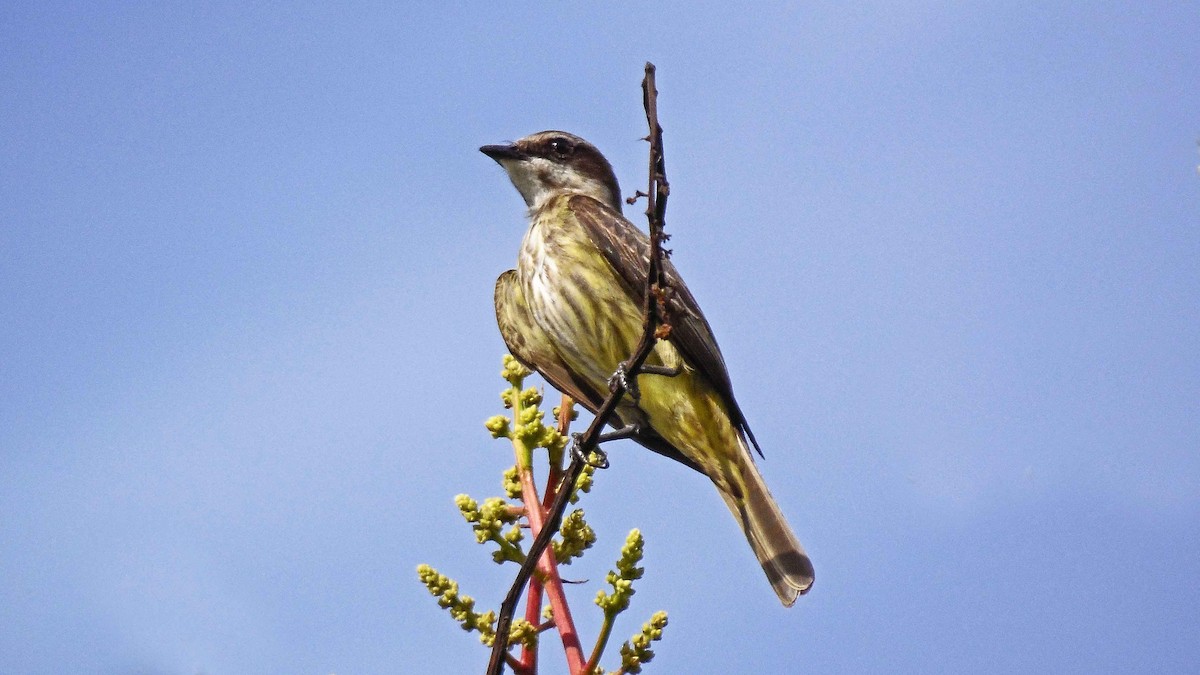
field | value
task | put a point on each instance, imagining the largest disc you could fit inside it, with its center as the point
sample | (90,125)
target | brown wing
(627,249)
(530,345)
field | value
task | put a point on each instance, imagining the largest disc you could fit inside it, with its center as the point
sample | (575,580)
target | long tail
(779,552)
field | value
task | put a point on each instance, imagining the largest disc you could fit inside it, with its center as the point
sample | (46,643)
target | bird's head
(553,162)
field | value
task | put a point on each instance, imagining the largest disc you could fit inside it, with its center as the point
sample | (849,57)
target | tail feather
(778,551)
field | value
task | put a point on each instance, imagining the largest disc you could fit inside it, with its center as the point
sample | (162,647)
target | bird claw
(596,459)
(622,379)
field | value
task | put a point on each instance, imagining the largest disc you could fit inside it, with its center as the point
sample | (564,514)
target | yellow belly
(595,324)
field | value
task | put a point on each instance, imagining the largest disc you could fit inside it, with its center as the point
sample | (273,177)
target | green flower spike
(577,537)
(488,520)
(636,653)
(461,607)
(499,426)
(512,482)
(622,579)
(513,371)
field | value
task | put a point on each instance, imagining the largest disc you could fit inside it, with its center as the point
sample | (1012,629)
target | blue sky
(949,250)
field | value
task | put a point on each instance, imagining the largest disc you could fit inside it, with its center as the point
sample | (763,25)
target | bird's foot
(622,379)
(665,371)
(627,431)
(596,458)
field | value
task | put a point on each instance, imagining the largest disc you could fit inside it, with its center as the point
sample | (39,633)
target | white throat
(538,179)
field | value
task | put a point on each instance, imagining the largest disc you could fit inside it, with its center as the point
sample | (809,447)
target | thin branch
(654,325)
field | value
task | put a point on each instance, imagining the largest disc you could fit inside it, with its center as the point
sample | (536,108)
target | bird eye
(561,147)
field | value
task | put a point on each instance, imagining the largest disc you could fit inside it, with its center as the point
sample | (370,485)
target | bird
(572,311)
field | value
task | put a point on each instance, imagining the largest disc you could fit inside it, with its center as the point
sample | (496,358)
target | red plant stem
(553,583)
(533,614)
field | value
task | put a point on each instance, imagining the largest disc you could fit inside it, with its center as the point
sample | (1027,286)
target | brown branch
(654,320)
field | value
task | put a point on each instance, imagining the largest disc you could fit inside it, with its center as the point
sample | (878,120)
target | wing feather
(627,250)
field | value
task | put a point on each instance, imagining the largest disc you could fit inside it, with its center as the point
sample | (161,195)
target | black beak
(502,152)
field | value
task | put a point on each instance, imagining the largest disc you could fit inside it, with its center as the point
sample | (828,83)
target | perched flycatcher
(572,311)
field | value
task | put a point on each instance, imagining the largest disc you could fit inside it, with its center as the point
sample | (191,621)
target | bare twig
(655,324)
